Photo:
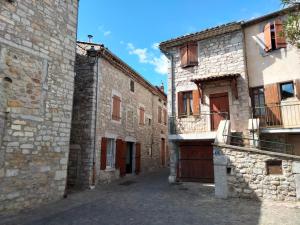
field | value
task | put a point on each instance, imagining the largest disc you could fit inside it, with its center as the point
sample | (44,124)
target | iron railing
(281,116)
(195,123)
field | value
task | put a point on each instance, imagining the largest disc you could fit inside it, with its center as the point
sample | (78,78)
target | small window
(274,36)
(110,153)
(274,167)
(132,86)
(142,116)
(287,90)
(149,122)
(258,101)
(185,103)
(189,55)
(165,116)
(159,114)
(116,110)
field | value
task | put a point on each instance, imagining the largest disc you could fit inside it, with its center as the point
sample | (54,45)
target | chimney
(90,38)
(162,87)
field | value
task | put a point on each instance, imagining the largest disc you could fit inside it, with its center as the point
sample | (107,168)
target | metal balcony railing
(278,115)
(195,123)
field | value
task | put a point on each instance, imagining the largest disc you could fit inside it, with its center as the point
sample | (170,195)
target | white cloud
(160,63)
(104,31)
(107,33)
(155,46)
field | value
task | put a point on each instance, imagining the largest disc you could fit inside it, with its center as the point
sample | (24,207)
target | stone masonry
(112,79)
(246,175)
(37,54)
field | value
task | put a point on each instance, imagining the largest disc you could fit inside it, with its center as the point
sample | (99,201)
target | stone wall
(112,80)
(37,46)
(242,172)
(219,55)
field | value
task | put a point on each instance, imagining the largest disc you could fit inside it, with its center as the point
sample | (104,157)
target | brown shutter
(137,158)
(165,116)
(159,114)
(279,34)
(142,116)
(184,55)
(116,108)
(103,153)
(193,54)
(196,102)
(268,40)
(297,84)
(272,100)
(180,103)
(120,157)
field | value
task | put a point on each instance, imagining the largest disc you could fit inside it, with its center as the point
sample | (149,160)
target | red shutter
(297,88)
(103,153)
(137,158)
(121,157)
(196,102)
(279,34)
(272,99)
(184,55)
(193,54)
(268,40)
(180,103)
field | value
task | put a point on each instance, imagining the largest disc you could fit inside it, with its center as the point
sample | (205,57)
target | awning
(232,77)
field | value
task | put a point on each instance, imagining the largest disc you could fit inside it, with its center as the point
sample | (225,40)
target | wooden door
(196,162)
(219,106)
(137,158)
(163,152)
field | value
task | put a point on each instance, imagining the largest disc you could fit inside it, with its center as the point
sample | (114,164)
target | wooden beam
(234,88)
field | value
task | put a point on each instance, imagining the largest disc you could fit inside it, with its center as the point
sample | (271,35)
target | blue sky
(132,28)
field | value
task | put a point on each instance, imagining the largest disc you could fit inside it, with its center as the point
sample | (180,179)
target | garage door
(196,162)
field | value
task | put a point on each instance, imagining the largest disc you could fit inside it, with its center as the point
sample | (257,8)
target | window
(258,101)
(110,153)
(149,122)
(185,103)
(116,111)
(131,85)
(159,114)
(274,36)
(165,116)
(189,55)
(287,90)
(142,116)
(274,167)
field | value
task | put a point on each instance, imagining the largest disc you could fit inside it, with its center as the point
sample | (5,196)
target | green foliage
(292,24)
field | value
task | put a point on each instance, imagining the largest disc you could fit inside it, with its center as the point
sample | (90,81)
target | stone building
(37,54)
(119,124)
(236,87)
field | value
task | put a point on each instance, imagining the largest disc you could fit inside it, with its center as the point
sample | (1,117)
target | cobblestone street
(150,200)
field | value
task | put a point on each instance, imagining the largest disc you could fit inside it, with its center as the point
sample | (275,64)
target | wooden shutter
(279,34)
(121,157)
(116,108)
(159,114)
(165,116)
(103,153)
(272,100)
(297,84)
(193,54)
(268,40)
(137,158)
(180,103)
(184,55)
(196,102)
(142,116)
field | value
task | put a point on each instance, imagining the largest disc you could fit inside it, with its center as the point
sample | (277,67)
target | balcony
(283,116)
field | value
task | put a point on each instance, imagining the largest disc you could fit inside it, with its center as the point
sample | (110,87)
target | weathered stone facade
(245,174)
(37,54)
(111,80)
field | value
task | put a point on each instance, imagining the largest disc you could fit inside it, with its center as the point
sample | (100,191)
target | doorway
(219,108)
(129,157)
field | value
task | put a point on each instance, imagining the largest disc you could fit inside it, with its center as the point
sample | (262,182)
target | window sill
(109,169)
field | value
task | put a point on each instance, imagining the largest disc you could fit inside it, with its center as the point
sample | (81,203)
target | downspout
(95,125)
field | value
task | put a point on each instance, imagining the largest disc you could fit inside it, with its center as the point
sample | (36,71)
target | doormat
(127,183)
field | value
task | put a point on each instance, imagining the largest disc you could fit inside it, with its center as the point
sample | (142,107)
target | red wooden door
(163,152)
(196,162)
(219,106)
